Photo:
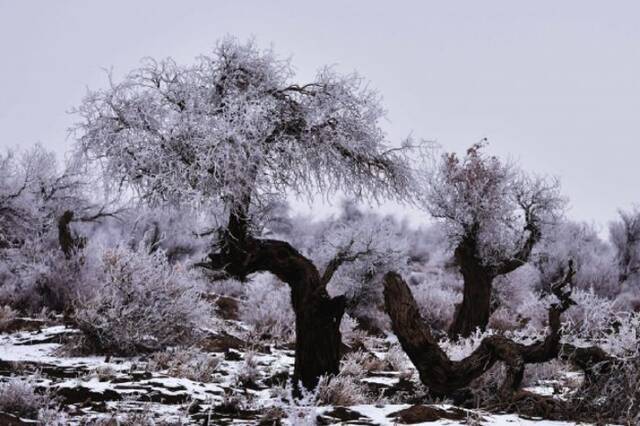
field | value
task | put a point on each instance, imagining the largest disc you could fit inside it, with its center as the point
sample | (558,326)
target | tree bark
(318,316)
(474,311)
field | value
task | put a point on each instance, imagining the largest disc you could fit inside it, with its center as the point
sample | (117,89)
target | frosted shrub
(38,276)
(437,302)
(592,317)
(7,314)
(142,304)
(19,397)
(351,334)
(340,390)
(248,373)
(614,396)
(461,348)
(396,359)
(353,364)
(356,364)
(190,363)
(268,309)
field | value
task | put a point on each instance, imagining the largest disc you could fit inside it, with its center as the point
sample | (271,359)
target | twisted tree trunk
(318,316)
(445,377)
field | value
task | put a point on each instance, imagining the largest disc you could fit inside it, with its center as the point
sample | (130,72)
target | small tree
(494,215)
(234,130)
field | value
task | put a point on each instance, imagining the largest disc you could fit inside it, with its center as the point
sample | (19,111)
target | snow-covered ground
(96,387)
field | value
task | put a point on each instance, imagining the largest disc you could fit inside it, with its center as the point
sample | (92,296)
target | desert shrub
(358,363)
(352,364)
(267,308)
(437,301)
(7,314)
(52,417)
(248,373)
(462,347)
(592,317)
(19,397)
(37,276)
(352,335)
(611,397)
(230,288)
(342,390)
(142,304)
(397,359)
(190,363)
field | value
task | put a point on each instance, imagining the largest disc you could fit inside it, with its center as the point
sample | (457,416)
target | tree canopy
(235,127)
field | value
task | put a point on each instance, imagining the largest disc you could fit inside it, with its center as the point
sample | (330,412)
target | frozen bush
(437,302)
(356,364)
(7,315)
(248,373)
(267,308)
(142,304)
(52,417)
(591,318)
(190,363)
(39,276)
(397,359)
(351,334)
(461,348)
(19,397)
(614,396)
(352,364)
(342,390)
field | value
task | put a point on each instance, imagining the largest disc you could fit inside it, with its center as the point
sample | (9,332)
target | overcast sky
(553,85)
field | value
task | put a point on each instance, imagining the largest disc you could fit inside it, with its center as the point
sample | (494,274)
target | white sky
(553,85)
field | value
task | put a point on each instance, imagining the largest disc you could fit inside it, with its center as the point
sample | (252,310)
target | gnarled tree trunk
(445,377)
(318,316)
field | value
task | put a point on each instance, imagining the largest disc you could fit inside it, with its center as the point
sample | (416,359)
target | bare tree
(233,130)
(494,215)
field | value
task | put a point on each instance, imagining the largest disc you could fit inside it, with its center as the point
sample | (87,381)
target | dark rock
(81,394)
(424,413)
(220,343)
(345,414)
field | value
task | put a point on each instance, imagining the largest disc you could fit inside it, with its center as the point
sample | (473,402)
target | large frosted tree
(235,130)
(494,215)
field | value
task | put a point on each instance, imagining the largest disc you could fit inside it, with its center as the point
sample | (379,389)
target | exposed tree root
(446,378)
